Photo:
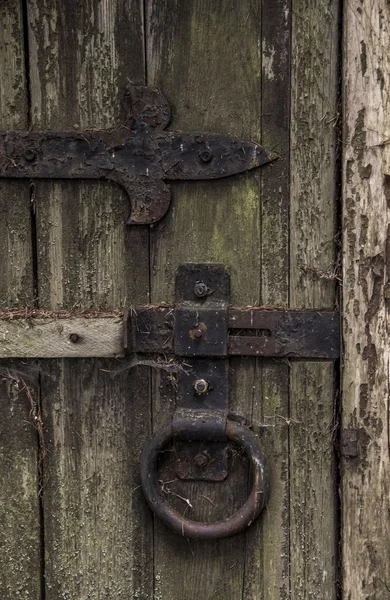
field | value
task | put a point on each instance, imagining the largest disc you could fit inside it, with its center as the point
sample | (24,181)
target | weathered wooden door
(74,523)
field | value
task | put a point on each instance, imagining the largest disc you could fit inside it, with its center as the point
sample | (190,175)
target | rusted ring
(197,529)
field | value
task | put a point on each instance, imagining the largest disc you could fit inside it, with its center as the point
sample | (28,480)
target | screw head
(201,290)
(74,338)
(200,460)
(205,156)
(201,387)
(198,334)
(30,155)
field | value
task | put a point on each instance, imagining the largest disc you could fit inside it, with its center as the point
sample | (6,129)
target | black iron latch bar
(203,329)
(254,331)
(139,156)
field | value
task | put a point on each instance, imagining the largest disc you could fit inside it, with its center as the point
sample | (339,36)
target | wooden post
(366,293)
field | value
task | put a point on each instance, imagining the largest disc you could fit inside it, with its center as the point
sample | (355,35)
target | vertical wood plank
(314,122)
(366,285)
(267,553)
(97,529)
(97,535)
(267,566)
(312,276)
(206,57)
(313,489)
(16,282)
(209,221)
(20,547)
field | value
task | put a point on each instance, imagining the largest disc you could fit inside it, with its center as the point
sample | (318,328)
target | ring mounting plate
(202,294)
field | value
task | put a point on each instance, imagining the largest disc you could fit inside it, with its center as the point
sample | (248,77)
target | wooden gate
(74,523)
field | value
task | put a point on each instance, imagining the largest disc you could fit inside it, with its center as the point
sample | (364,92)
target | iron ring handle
(197,529)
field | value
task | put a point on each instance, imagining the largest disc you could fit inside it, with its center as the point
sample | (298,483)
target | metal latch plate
(201,329)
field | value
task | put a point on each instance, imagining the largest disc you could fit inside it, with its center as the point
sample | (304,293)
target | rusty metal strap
(251,331)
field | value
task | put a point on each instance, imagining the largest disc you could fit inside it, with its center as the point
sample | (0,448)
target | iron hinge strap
(140,155)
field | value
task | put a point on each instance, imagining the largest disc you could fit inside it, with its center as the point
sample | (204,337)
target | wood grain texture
(366,260)
(97,530)
(314,121)
(267,567)
(51,338)
(313,489)
(215,221)
(97,541)
(20,547)
(313,266)
(16,282)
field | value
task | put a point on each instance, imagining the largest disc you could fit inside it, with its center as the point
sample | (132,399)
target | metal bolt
(201,387)
(205,156)
(198,332)
(74,338)
(200,460)
(30,155)
(201,290)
